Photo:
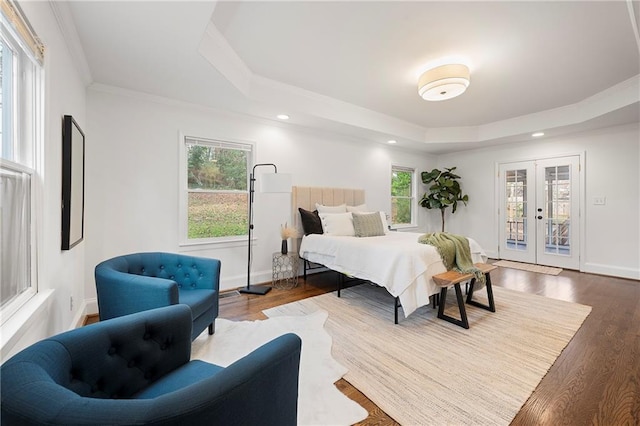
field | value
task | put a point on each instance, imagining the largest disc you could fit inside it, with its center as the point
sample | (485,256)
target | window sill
(21,322)
(404,227)
(214,244)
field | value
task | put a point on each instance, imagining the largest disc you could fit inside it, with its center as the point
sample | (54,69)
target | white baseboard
(89,307)
(492,254)
(614,271)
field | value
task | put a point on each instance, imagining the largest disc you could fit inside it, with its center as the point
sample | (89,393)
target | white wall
(132,177)
(612,232)
(61,274)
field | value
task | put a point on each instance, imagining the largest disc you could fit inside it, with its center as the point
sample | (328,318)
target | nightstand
(285,270)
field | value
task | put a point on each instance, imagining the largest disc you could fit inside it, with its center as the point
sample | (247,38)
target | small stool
(453,278)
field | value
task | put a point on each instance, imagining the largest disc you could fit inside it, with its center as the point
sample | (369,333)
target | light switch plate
(599,201)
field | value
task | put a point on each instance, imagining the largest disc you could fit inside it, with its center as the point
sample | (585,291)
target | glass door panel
(517,239)
(516,209)
(558,192)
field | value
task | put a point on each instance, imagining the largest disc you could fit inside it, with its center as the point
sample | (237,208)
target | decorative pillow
(311,223)
(383,218)
(368,224)
(362,208)
(342,208)
(337,224)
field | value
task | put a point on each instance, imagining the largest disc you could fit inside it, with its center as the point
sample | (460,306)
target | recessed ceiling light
(283,116)
(537,134)
(391,141)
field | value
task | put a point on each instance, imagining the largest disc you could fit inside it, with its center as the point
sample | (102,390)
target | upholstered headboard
(307,197)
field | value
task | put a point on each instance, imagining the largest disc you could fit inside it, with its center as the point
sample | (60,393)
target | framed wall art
(72,183)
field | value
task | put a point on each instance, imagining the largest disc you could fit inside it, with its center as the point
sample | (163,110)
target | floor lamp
(269,182)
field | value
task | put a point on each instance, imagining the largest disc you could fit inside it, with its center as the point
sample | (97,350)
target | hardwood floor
(596,380)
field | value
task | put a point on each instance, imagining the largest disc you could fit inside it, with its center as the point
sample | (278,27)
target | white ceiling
(352,67)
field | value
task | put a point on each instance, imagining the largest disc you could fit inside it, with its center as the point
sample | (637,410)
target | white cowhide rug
(319,401)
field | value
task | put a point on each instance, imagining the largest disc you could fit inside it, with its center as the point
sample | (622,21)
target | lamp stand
(256,289)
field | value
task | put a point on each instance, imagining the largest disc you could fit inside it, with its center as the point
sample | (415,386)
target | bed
(395,260)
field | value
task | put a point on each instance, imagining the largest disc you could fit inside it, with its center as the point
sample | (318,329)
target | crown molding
(67,27)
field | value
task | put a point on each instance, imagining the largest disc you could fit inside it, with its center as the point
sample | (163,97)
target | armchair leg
(212,328)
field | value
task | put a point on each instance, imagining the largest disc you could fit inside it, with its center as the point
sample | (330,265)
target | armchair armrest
(260,388)
(121,293)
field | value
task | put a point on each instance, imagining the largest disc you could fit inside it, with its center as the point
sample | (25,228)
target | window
(20,106)
(215,194)
(402,196)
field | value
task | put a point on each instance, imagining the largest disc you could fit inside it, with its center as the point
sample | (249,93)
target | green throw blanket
(454,251)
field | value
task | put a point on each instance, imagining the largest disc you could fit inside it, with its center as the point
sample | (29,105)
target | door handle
(539,217)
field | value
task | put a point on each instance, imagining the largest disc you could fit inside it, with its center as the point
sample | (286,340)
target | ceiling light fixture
(391,141)
(537,134)
(443,82)
(282,116)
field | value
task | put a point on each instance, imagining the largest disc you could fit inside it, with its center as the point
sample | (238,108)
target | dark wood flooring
(596,379)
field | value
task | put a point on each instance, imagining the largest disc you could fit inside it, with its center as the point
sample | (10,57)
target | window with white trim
(214,204)
(21,56)
(403,202)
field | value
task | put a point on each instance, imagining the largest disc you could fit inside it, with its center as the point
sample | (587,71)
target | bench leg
(491,307)
(462,322)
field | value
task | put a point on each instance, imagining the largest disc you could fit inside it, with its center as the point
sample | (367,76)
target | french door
(539,212)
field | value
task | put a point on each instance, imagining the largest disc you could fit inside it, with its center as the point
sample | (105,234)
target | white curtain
(15,233)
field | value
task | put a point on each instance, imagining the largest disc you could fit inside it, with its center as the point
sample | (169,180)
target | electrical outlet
(71,303)
(599,201)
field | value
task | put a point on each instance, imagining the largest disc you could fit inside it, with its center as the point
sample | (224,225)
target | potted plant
(444,191)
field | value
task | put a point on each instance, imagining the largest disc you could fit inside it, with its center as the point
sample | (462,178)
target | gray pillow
(368,225)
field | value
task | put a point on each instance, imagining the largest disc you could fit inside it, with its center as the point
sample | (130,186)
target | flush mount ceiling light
(537,134)
(443,82)
(282,116)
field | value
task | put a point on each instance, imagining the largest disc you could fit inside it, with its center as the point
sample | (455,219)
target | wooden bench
(453,278)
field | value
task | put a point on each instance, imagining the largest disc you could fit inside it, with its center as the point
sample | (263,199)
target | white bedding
(395,261)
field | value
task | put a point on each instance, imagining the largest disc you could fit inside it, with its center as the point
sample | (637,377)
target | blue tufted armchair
(136,370)
(141,281)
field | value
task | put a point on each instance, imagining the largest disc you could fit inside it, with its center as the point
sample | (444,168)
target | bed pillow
(362,208)
(342,208)
(383,219)
(368,225)
(311,223)
(338,224)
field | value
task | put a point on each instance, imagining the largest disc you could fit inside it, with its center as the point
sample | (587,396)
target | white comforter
(395,261)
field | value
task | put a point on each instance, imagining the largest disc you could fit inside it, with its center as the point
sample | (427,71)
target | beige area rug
(426,371)
(549,270)
(319,401)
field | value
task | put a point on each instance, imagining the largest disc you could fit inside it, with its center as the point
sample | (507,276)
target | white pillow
(360,209)
(342,208)
(385,225)
(337,224)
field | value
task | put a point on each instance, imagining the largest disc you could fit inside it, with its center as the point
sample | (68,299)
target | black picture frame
(73,141)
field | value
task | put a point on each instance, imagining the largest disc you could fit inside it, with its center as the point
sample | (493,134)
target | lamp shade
(443,82)
(275,182)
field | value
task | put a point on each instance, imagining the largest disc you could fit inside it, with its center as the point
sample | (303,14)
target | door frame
(582,191)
